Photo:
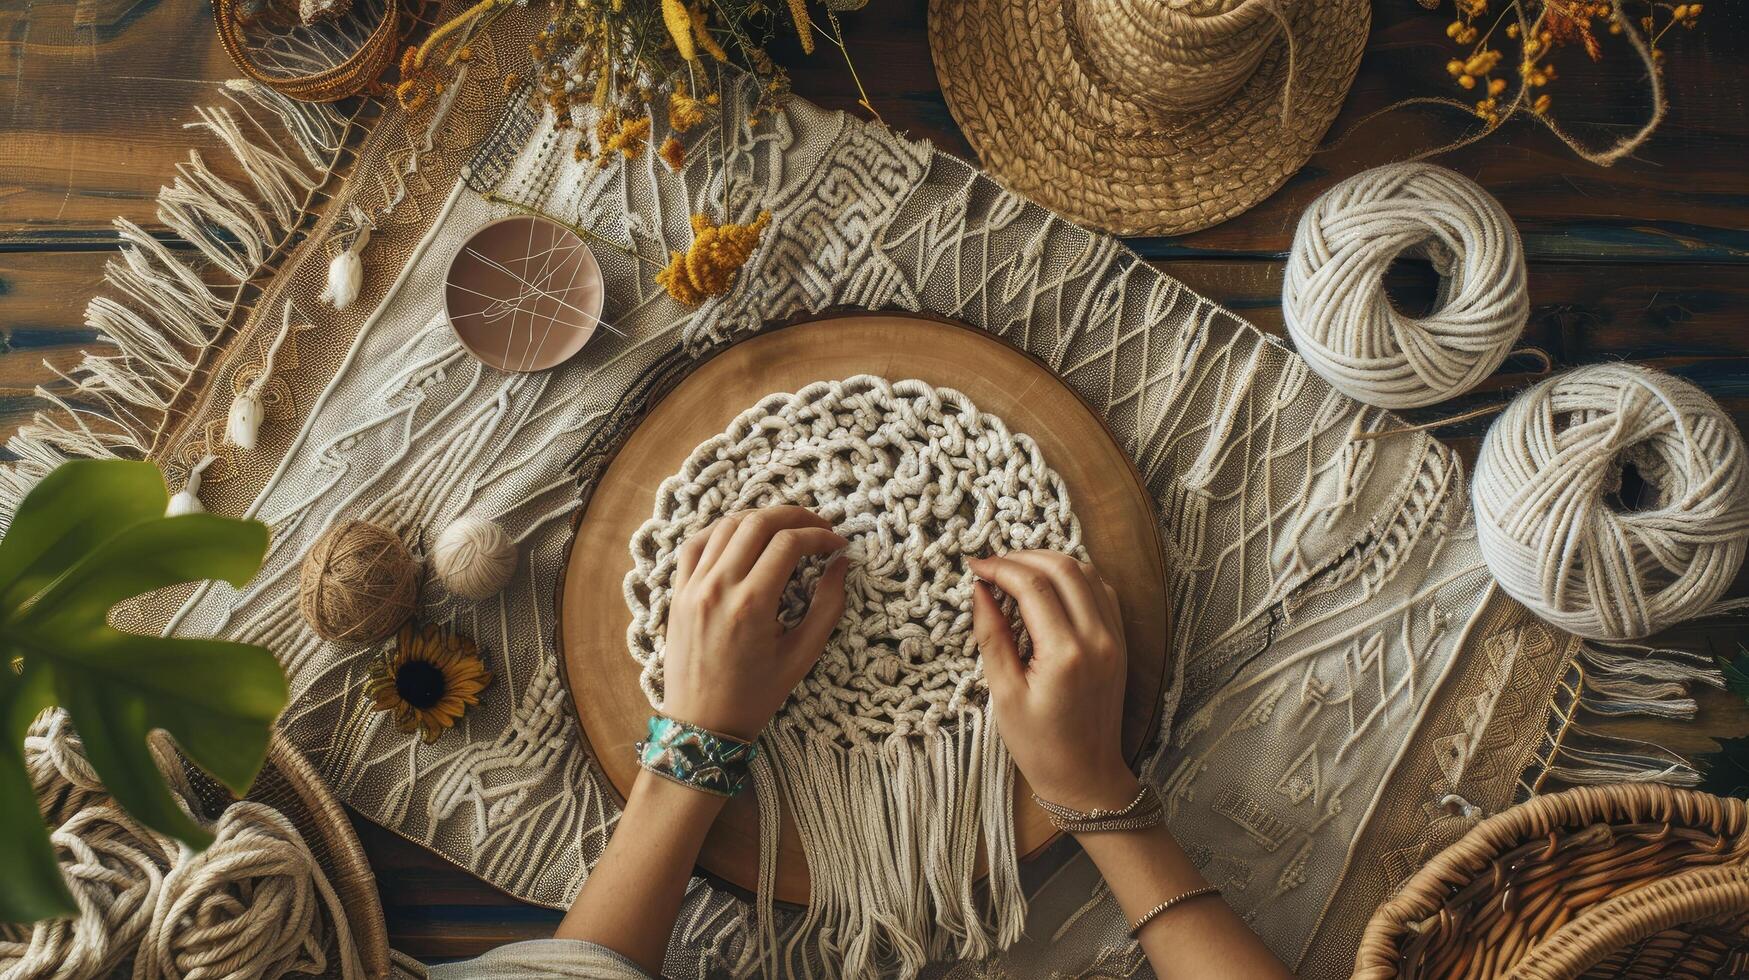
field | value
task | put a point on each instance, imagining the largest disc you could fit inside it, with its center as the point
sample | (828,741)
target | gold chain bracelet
(1170,903)
(1145,811)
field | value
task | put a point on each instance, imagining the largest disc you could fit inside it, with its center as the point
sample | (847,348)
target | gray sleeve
(566,958)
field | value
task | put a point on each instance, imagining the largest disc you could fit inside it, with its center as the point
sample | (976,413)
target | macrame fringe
(1623,680)
(881,909)
(162,312)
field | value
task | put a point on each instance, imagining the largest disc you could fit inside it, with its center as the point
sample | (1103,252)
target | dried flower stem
(836,36)
(454,24)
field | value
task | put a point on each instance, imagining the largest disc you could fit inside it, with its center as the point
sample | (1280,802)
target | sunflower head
(427,680)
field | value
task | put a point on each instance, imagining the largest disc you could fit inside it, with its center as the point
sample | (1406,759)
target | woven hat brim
(1044,127)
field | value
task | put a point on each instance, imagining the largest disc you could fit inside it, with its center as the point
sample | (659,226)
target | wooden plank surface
(95,93)
(1645,261)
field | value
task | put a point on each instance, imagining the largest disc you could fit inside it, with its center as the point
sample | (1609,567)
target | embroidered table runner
(1348,691)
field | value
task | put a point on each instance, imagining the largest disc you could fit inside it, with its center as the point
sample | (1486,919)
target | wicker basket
(1632,880)
(289,784)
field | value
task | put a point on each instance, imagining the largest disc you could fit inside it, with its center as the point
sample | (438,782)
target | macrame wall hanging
(885,752)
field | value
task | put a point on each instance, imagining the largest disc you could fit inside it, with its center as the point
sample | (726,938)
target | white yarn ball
(1554,541)
(1348,330)
(474,558)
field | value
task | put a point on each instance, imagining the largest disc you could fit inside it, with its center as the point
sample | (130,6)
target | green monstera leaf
(91,534)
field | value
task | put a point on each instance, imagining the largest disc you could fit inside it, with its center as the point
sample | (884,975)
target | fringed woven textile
(165,314)
(1348,693)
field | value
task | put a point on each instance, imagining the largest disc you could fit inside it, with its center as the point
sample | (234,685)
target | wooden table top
(1647,261)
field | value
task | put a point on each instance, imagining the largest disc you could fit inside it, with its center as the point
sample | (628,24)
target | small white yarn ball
(1349,331)
(1554,540)
(474,558)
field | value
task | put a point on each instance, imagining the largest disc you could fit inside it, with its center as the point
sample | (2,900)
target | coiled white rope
(1348,330)
(1558,544)
(253,904)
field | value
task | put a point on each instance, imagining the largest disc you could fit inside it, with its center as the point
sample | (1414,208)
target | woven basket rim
(349,870)
(1697,894)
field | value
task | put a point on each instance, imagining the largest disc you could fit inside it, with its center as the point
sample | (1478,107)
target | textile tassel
(1589,757)
(160,312)
(243,425)
(878,908)
(187,500)
(1000,849)
(770,827)
(346,269)
(1635,679)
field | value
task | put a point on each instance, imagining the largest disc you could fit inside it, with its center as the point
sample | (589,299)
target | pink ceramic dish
(523,293)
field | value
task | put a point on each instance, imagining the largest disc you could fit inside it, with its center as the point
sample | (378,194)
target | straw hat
(1146,117)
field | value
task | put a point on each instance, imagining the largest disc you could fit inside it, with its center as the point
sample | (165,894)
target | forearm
(633,895)
(1202,937)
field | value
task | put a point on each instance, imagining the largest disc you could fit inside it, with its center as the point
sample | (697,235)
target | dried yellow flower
(798,12)
(673,154)
(625,136)
(684,111)
(708,267)
(678,20)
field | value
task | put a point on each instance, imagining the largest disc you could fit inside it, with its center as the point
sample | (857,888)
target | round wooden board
(1116,519)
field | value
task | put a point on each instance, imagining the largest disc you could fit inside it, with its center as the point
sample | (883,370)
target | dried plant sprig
(424,66)
(1507,83)
(709,265)
(625,56)
(1500,101)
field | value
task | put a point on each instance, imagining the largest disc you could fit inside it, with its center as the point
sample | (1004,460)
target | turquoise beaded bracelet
(696,757)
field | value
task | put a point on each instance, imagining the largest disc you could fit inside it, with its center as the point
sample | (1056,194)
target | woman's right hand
(1061,711)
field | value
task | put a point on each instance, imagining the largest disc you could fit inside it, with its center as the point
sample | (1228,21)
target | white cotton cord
(253,904)
(1344,324)
(1558,544)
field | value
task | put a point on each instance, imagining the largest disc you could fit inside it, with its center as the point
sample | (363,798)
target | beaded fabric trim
(917,478)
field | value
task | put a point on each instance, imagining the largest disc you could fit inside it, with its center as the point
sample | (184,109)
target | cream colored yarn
(1348,330)
(474,558)
(1558,546)
(885,752)
(253,904)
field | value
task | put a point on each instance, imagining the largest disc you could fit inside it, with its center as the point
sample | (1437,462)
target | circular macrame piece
(917,479)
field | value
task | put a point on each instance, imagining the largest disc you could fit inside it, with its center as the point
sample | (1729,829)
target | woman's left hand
(729,663)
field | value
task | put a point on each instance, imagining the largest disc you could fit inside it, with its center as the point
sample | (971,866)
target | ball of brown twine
(358,583)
